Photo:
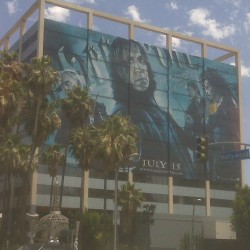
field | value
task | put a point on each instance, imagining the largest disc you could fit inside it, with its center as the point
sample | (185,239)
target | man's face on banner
(191,92)
(210,90)
(139,78)
(70,79)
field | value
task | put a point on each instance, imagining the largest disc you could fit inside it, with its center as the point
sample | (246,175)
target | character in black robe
(223,121)
(162,142)
(195,112)
(222,126)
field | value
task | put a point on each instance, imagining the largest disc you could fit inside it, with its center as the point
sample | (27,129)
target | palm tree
(23,89)
(40,79)
(14,159)
(48,121)
(10,92)
(130,199)
(54,158)
(118,141)
(11,153)
(77,108)
(83,143)
(40,115)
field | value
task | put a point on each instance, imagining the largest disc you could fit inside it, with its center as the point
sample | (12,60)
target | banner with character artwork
(172,97)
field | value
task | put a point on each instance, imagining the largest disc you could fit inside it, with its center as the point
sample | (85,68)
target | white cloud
(80,1)
(245,71)
(57,13)
(161,41)
(172,6)
(133,13)
(90,1)
(201,17)
(176,43)
(247,22)
(12,7)
(236,3)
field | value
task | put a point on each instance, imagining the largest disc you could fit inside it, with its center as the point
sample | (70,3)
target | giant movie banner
(171,96)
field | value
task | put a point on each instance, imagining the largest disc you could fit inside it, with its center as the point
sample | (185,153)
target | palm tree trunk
(63,175)
(4,222)
(25,191)
(36,118)
(34,133)
(10,206)
(51,192)
(5,200)
(85,191)
(105,194)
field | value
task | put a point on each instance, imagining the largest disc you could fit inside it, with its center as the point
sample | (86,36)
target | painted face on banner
(210,90)
(70,79)
(139,78)
(191,92)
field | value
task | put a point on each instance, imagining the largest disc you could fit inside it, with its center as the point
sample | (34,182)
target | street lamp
(194,203)
(76,237)
(148,213)
(31,218)
(132,158)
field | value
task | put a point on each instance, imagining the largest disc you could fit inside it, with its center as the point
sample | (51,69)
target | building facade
(170,96)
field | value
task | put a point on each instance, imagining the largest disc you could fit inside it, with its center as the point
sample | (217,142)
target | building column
(7,43)
(33,194)
(170,195)
(21,33)
(130,177)
(208,196)
(40,33)
(90,21)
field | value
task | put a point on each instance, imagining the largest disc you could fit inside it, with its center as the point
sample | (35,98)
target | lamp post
(76,237)
(132,158)
(31,218)
(148,213)
(193,217)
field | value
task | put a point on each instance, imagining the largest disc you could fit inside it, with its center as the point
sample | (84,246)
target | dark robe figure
(162,142)
(222,125)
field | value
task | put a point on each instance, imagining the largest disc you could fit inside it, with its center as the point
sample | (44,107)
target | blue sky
(223,21)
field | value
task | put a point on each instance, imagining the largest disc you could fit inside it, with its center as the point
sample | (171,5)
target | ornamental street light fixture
(31,218)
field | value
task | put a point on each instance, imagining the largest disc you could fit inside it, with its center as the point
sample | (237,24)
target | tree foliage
(40,114)
(95,231)
(53,156)
(118,141)
(189,242)
(14,156)
(25,109)
(83,143)
(11,91)
(240,218)
(78,106)
(129,199)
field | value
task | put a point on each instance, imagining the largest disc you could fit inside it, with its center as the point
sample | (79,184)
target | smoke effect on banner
(172,97)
